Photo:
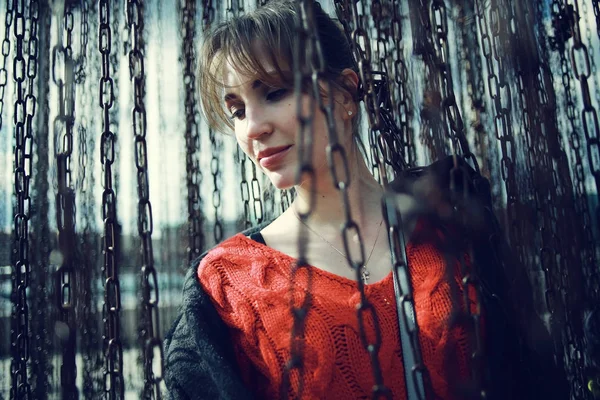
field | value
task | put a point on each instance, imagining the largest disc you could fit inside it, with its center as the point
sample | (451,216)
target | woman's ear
(347,99)
(349,81)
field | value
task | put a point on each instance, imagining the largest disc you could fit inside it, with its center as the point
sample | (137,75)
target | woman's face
(266,126)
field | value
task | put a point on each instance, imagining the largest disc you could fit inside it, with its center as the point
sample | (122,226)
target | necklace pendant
(364,275)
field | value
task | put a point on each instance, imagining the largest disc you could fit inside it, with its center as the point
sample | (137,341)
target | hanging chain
(257,200)
(299,308)
(244,188)
(114,385)
(455,127)
(580,65)
(404,110)
(590,261)
(384,137)
(24,74)
(62,72)
(431,113)
(455,132)
(152,355)
(5,53)
(596,7)
(474,85)
(80,78)
(215,170)
(208,14)
(85,182)
(192,132)
(499,92)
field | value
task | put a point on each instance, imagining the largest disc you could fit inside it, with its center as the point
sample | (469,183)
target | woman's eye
(276,94)
(236,113)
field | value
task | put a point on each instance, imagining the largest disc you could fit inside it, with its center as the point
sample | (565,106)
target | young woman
(232,339)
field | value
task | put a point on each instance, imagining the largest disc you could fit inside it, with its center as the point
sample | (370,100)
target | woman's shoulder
(242,258)
(234,250)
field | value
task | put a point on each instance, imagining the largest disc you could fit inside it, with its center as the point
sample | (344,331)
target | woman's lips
(274,159)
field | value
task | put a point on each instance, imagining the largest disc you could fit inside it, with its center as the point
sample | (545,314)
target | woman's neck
(364,195)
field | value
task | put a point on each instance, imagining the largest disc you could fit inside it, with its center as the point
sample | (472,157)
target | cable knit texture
(249,285)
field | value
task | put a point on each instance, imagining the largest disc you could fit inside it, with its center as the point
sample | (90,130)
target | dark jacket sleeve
(200,362)
(516,366)
(199,359)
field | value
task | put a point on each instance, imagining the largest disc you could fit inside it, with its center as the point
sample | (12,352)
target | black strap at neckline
(258,237)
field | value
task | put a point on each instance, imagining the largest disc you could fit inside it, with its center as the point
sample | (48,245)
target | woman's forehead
(264,68)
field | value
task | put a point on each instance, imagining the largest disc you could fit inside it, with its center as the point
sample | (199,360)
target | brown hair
(273,26)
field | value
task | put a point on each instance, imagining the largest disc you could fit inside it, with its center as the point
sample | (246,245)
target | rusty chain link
(113,382)
(187,15)
(152,350)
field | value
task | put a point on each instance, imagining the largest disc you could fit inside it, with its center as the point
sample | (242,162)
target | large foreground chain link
(303,54)
(152,350)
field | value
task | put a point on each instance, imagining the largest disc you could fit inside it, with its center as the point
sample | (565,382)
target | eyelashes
(237,111)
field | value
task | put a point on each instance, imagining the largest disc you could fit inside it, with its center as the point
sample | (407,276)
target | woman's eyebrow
(232,96)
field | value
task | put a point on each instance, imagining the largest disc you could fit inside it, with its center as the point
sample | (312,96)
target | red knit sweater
(249,285)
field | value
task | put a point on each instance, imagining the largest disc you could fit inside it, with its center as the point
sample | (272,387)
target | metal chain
(499,91)
(208,14)
(24,74)
(244,188)
(580,65)
(208,18)
(581,69)
(42,346)
(404,110)
(8,20)
(431,113)
(455,129)
(590,260)
(114,384)
(80,78)
(299,308)
(596,7)
(455,133)
(62,75)
(215,170)
(192,132)
(88,276)
(152,350)
(285,200)
(336,157)
(257,198)
(474,85)
(384,138)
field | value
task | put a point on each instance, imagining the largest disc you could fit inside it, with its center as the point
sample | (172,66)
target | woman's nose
(258,124)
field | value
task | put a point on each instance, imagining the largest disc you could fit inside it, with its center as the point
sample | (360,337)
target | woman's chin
(282,181)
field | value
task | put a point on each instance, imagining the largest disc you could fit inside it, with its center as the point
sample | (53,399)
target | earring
(349,112)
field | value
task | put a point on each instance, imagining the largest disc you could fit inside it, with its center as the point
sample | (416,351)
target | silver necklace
(364,272)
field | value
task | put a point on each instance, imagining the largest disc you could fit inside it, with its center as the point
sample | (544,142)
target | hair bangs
(246,45)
